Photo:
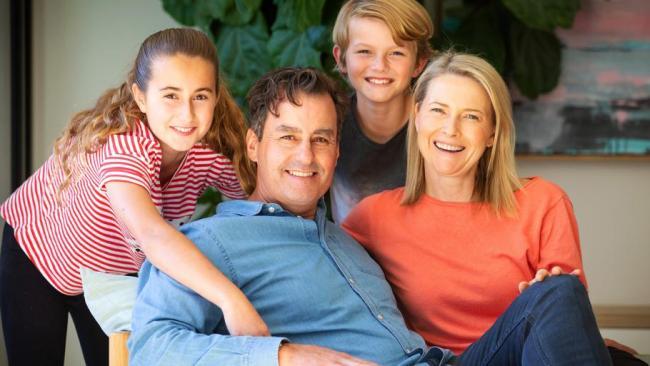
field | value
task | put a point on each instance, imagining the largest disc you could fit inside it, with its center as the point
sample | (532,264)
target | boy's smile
(379,69)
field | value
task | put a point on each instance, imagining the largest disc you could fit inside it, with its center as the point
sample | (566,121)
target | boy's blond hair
(407,21)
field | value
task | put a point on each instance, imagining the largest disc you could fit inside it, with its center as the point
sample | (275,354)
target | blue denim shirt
(310,282)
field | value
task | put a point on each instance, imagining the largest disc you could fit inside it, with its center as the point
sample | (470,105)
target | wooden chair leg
(118,354)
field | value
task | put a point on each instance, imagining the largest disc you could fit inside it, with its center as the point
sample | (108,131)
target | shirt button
(380,317)
(351,280)
(408,350)
(271,209)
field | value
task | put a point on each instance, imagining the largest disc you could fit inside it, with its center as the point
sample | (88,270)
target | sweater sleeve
(559,239)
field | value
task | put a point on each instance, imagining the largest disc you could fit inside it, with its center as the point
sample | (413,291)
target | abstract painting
(602,103)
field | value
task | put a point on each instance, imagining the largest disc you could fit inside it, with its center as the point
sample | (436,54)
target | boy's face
(378,69)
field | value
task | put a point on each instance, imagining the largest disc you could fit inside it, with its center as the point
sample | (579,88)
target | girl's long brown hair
(116,111)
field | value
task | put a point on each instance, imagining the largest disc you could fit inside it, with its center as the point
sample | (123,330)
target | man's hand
(299,354)
(241,317)
(542,274)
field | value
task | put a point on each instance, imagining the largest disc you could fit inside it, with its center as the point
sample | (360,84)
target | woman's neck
(451,189)
(381,121)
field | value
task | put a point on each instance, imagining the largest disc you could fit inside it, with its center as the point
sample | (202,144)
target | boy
(380,46)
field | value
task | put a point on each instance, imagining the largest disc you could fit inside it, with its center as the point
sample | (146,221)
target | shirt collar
(255,208)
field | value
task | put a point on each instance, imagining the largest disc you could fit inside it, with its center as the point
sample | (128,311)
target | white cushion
(110,299)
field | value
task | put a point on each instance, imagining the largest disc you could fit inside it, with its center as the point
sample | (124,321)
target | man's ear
(419,66)
(251,145)
(139,97)
(336,51)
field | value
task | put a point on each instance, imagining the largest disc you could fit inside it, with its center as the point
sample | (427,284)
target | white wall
(82,48)
(611,199)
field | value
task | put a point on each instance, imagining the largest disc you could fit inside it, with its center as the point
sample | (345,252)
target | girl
(123,176)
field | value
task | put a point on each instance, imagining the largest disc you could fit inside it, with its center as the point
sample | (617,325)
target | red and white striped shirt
(83,231)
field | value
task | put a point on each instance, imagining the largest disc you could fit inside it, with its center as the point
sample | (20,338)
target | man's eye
(437,110)
(287,137)
(363,51)
(397,53)
(321,140)
(472,117)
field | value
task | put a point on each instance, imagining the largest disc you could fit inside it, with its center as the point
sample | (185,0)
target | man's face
(297,154)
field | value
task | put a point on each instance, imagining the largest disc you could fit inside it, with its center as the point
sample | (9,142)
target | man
(325,301)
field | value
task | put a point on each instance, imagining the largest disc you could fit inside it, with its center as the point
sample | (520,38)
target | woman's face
(179,101)
(454,126)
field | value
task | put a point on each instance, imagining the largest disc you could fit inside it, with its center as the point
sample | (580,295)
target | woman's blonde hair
(407,21)
(496,176)
(116,111)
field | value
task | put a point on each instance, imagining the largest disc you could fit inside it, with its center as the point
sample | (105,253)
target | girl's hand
(241,317)
(542,274)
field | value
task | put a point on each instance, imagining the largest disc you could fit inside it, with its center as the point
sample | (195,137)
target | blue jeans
(550,323)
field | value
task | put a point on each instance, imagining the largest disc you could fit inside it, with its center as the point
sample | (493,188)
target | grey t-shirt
(365,167)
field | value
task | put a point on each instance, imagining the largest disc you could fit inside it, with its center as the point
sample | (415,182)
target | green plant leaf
(239,12)
(183,11)
(546,14)
(289,48)
(298,15)
(537,57)
(243,54)
(320,38)
(479,34)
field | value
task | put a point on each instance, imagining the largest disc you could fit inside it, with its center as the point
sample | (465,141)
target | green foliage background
(254,36)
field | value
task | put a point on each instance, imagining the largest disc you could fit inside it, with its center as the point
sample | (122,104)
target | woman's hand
(542,274)
(241,317)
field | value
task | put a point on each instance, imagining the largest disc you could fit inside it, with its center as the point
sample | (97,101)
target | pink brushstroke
(614,77)
(601,21)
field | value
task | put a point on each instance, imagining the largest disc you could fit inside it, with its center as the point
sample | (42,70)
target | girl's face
(454,126)
(179,101)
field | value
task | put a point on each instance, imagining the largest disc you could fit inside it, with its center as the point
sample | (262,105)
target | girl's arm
(170,251)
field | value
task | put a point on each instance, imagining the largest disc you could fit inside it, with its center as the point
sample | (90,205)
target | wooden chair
(118,354)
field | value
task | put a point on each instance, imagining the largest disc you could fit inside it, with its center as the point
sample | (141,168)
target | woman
(465,233)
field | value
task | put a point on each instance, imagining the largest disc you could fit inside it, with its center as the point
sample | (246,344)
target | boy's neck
(381,121)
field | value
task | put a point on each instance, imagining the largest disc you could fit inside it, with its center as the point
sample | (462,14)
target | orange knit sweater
(455,267)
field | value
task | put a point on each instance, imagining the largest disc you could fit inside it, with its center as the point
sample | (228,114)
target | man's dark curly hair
(287,84)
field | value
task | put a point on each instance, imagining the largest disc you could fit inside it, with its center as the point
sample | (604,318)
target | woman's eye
(398,53)
(170,96)
(201,97)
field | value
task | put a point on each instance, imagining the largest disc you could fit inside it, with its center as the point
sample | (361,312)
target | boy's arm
(172,252)
(173,325)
